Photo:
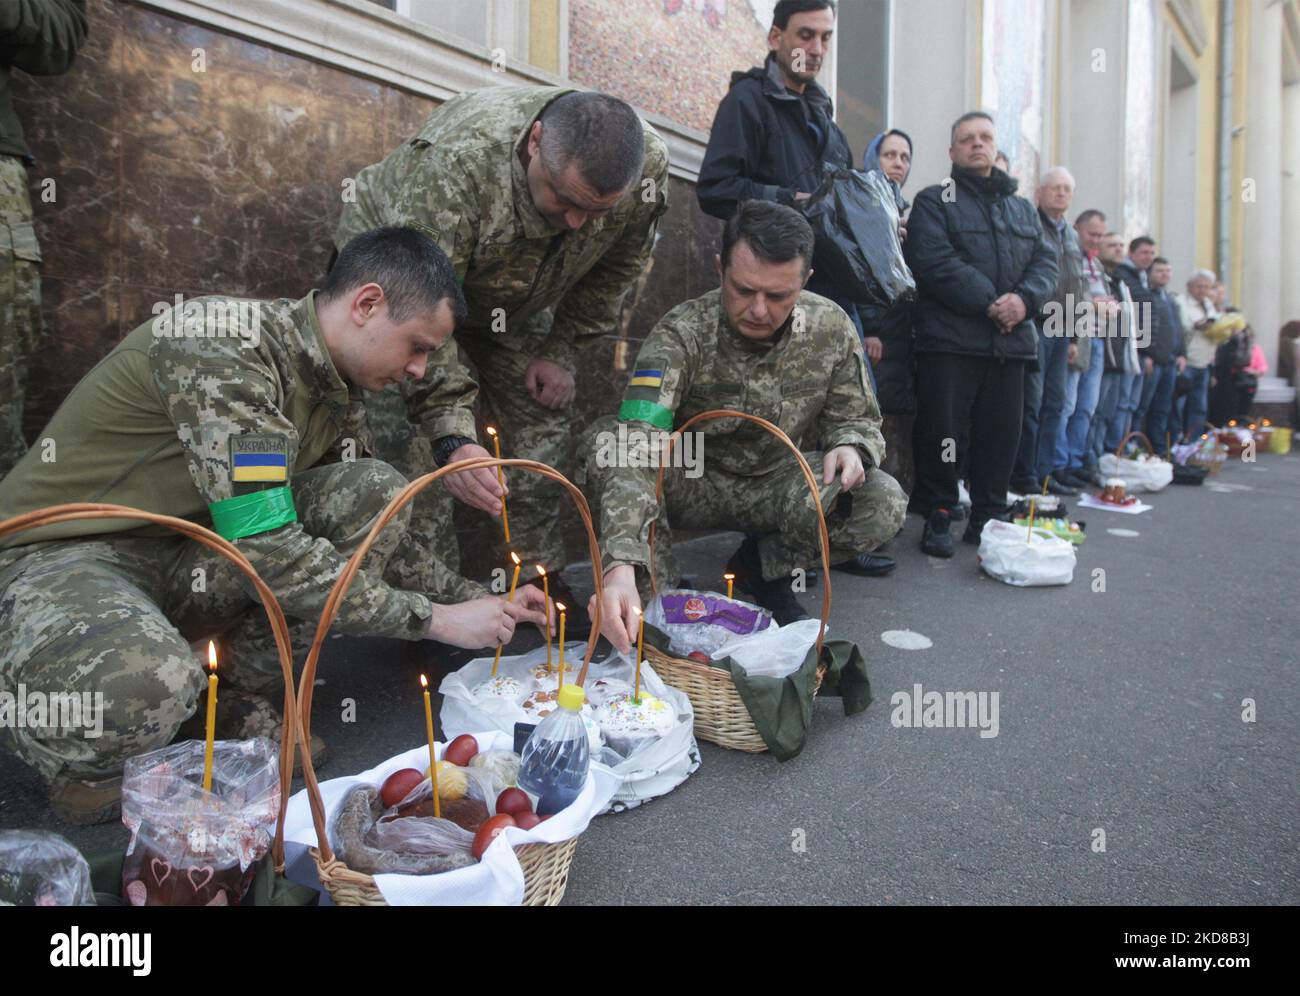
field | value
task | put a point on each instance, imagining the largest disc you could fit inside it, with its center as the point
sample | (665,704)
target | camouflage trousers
(528,431)
(20,306)
(777,506)
(116,616)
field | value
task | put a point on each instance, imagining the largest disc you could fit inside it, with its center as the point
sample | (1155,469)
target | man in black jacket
(776,128)
(983,269)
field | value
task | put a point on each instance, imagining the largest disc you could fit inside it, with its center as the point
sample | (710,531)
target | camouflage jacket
(460,181)
(810,379)
(214,399)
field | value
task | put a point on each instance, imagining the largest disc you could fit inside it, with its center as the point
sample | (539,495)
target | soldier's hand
(845,461)
(618,623)
(530,607)
(480,622)
(476,488)
(550,384)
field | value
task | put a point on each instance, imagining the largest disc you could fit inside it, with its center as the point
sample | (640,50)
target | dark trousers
(966,407)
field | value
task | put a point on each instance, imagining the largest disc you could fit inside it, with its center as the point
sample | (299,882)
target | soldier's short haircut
(774,233)
(971,116)
(598,133)
(786,9)
(415,274)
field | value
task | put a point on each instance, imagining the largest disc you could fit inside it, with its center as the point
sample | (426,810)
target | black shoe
(1055,487)
(776,596)
(873,565)
(1090,474)
(1070,479)
(975,529)
(1026,487)
(936,540)
(959,512)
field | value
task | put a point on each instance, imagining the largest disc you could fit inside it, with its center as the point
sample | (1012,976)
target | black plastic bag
(854,216)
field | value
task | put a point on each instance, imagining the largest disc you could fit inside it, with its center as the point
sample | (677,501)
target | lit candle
(509,598)
(433,759)
(730,578)
(559,607)
(211,730)
(496,445)
(640,647)
(1030,537)
(546,610)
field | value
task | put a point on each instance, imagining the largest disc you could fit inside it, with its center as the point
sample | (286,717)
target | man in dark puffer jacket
(983,268)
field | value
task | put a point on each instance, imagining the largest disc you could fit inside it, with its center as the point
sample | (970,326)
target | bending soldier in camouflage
(547,201)
(760,346)
(232,413)
(39,37)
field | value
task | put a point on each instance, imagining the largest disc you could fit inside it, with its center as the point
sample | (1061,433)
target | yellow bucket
(1279,441)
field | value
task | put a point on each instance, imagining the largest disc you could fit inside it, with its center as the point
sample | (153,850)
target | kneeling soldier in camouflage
(244,415)
(761,345)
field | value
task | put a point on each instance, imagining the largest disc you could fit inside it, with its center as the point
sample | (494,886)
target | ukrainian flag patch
(259,458)
(646,378)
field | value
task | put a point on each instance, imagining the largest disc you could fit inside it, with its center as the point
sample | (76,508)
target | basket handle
(292,735)
(328,614)
(776,431)
(1124,442)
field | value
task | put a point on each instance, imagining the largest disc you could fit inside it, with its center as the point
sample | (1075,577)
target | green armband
(646,411)
(250,514)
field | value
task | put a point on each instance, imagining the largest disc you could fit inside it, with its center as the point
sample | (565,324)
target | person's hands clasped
(618,621)
(476,488)
(1007,311)
(550,385)
(846,463)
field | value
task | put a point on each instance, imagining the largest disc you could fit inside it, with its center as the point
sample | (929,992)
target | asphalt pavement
(1122,772)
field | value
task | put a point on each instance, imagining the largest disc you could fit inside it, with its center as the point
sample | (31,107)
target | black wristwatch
(446,446)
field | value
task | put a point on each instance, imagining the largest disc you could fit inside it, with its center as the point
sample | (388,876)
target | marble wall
(175,176)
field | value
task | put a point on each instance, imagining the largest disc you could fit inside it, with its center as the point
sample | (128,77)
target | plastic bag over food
(703,620)
(194,848)
(854,216)
(39,868)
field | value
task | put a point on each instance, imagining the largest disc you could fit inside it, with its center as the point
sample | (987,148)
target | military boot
(84,804)
(775,596)
(242,716)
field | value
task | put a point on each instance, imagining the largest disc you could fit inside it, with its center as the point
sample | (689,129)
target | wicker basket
(546,866)
(720,713)
(1213,461)
(292,733)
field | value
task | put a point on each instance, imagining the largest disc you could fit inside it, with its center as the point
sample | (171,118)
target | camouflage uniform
(230,414)
(533,291)
(40,38)
(810,379)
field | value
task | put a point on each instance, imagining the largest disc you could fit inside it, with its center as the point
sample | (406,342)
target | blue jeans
(1078,427)
(1197,403)
(1061,457)
(1129,394)
(1112,386)
(1044,400)
(1157,399)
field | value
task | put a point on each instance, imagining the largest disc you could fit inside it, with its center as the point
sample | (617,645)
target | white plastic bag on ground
(656,767)
(497,880)
(1006,554)
(1147,473)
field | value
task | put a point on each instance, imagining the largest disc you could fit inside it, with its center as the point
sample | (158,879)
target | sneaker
(84,804)
(936,541)
(959,512)
(775,595)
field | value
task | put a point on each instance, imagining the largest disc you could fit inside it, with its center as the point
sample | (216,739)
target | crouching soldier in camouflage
(763,346)
(245,416)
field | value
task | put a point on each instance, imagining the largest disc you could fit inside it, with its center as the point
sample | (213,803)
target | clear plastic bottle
(553,766)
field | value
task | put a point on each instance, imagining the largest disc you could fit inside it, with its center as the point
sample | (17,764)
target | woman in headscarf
(887,340)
